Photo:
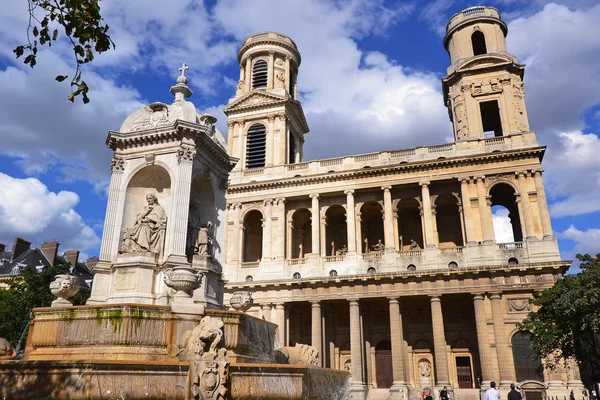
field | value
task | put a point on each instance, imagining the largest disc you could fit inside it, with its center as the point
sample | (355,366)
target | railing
(452,250)
(474,10)
(511,246)
(333,258)
(493,141)
(332,161)
(254,264)
(254,171)
(295,167)
(296,261)
(367,157)
(374,255)
(403,153)
(410,253)
(439,148)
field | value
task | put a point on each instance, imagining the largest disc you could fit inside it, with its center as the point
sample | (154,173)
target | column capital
(315,303)
(386,188)
(280,306)
(265,305)
(271,118)
(353,302)
(271,52)
(349,192)
(435,299)
(495,296)
(537,171)
(268,202)
(393,300)
(480,178)
(464,179)
(314,195)
(424,183)
(520,173)
(478,296)
(281,200)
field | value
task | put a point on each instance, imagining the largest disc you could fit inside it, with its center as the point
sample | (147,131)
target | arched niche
(152,179)
(202,210)
(301,233)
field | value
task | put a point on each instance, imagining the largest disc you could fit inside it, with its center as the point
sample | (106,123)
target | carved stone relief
(518,305)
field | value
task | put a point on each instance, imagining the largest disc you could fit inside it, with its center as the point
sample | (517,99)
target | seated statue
(378,246)
(148,232)
(414,245)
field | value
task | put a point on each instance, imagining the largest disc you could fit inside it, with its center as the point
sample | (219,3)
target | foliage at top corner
(566,324)
(83,26)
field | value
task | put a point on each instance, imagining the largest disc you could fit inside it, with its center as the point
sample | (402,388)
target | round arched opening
(371,270)
(335,230)
(371,227)
(411,267)
(301,233)
(297,275)
(249,278)
(253,236)
(410,228)
(333,272)
(513,261)
(453,265)
(505,214)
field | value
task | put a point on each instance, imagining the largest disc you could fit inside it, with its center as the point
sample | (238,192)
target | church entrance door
(463,370)
(383,365)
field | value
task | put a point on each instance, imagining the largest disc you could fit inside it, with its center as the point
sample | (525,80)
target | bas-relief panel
(125,279)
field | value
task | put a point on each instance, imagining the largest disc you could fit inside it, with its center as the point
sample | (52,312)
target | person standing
(514,394)
(444,393)
(492,393)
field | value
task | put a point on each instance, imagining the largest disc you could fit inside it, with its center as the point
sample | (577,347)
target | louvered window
(292,155)
(256,146)
(259,74)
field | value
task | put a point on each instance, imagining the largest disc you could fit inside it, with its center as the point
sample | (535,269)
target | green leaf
(71,97)
(61,78)
(35,31)
(55,34)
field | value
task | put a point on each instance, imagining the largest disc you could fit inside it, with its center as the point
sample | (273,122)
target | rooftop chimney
(50,250)
(19,247)
(72,256)
(91,263)
(2,247)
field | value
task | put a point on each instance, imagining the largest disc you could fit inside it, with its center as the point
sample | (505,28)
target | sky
(370,80)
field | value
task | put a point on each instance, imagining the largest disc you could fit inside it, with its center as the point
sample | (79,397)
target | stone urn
(64,287)
(183,280)
(241,301)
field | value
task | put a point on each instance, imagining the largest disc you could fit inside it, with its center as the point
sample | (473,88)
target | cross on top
(183,69)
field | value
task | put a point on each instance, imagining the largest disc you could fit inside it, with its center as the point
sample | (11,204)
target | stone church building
(386,262)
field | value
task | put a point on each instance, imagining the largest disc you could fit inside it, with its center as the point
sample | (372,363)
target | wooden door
(463,372)
(383,365)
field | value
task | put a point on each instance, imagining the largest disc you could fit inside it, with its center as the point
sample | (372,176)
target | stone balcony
(386,158)
(429,259)
(472,13)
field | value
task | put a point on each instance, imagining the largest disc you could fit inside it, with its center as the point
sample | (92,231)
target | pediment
(487,61)
(255,100)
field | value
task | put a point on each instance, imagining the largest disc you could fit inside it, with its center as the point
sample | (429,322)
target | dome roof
(160,114)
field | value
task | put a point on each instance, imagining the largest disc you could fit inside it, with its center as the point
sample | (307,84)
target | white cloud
(587,241)
(502,227)
(28,209)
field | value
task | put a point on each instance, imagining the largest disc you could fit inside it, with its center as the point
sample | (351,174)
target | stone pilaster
(315,222)
(486,356)
(485,212)
(526,206)
(248,74)
(268,230)
(505,365)
(280,321)
(357,384)
(266,312)
(280,237)
(270,70)
(112,225)
(270,139)
(317,329)
(427,215)
(241,126)
(396,335)
(388,218)
(542,204)
(234,245)
(467,211)
(351,220)
(439,343)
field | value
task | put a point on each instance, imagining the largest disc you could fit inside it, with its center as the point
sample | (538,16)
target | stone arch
(410,226)
(478,43)
(449,225)
(336,229)
(202,209)
(371,224)
(301,233)
(253,236)
(505,210)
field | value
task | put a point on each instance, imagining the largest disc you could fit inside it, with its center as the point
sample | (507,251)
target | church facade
(387,262)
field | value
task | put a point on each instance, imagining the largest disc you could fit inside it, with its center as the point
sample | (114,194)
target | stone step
(378,394)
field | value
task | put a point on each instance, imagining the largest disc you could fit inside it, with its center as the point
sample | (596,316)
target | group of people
(491,394)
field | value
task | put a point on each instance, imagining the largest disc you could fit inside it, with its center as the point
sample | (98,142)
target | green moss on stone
(115,317)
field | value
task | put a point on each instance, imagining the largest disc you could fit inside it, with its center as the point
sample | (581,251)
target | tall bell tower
(484,86)
(266,123)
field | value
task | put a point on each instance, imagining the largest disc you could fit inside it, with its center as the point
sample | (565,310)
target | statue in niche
(424,368)
(341,251)
(414,245)
(378,246)
(194,226)
(204,240)
(148,232)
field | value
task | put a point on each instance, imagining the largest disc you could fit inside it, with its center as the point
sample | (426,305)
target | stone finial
(181,91)
(64,287)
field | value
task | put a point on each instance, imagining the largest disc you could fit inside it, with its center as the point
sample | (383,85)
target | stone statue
(414,245)
(6,350)
(194,225)
(342,251)
(148,232)
(241,301)
(64,287)
(378,246)
(204,240)
(209,368)
(299,354)
(424,368)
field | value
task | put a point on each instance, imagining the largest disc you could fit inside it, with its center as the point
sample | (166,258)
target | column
(485,350)
(177,225)
(314,222)
(465,195)
(271,70)
(351,220)
(396,335)
(288,76)
(290,238)
(355,346)
(110,239)
(248,73)
(505,365)
(542,204)
(317,329)
(427,215)
(526,206)
(240,150)
(266,312)
(485,212)
(280,240)
(388,218)
(323,237)
(269,142)
(267,233)
(280,321)
(230,136)
(439,343)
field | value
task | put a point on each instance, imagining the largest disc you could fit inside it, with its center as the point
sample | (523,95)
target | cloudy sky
(369,81)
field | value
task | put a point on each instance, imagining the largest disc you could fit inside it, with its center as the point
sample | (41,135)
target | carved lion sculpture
(6,350)
(202,342)
(299,354)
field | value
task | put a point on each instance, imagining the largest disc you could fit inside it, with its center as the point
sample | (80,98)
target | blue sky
(369,81)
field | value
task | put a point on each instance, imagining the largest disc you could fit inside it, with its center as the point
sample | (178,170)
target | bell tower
(266,123)
(484,86)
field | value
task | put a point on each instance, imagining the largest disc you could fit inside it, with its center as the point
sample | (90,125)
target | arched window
(371,227)
(333,272)
(505,214)
(528,366)
(301,233)
(256,146)
(453,265)
(478,42)
(411,267)
(297,275)
(259,74)
(249,278)
(253,236)
(371,271)
(513,261)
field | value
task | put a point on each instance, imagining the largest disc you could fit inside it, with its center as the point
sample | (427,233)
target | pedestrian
(426,394)
(492,393)
(444,393)
(515,395)
(571,395)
